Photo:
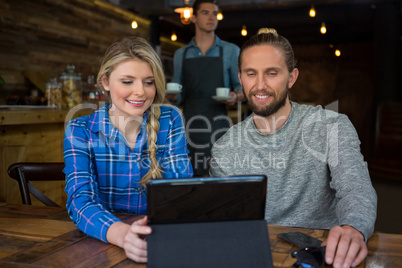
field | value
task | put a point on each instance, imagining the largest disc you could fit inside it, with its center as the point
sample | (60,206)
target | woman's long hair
(138,48)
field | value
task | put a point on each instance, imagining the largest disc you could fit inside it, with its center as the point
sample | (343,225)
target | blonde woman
(112,153)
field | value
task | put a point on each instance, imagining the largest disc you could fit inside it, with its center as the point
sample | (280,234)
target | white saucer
(172,91)
(219,98)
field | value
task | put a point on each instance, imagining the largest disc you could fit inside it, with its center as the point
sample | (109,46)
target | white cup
(173,86)
(222,91)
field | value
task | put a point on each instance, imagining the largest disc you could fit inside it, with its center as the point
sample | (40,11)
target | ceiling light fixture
(323,28)
(185,12)
(244,31)
(312,11)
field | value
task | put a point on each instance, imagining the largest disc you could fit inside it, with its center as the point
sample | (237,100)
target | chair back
(24,172)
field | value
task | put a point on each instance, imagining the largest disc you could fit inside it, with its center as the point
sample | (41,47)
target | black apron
(201,77)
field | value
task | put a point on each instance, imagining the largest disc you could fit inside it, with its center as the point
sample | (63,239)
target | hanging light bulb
(312,11)
(134,24)
(323,28)
(185,12)
(219,16)
(244,31)
(337,53)
(173,37)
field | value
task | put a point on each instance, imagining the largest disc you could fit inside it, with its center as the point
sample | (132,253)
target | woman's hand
(135,244)
(131,238)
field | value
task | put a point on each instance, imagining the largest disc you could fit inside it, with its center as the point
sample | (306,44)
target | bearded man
(317,177)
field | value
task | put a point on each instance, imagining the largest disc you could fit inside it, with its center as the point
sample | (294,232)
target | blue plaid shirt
(103,172)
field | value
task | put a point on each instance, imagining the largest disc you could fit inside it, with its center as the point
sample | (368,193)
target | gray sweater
(317,177)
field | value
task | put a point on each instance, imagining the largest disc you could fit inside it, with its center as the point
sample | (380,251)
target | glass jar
(91,94)
(89,90)
(71,83)
(53,93)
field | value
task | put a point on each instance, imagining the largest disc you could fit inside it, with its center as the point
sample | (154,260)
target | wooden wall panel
(30,143)
(32,136)
(9,190)
(45,35)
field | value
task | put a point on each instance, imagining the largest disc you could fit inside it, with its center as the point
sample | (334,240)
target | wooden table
(33,236)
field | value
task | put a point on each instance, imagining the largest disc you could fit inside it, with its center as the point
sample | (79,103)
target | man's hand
(345,247)
(233,100)
(171,97)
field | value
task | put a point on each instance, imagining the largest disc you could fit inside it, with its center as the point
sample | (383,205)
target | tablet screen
(206,199)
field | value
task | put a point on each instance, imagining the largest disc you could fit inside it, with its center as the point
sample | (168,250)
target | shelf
(38,115)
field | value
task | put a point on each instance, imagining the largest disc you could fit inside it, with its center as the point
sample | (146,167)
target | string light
(323,28)
(337,53)
(219,16)
(244,31)
(312,11)
(134,24)
(173,37)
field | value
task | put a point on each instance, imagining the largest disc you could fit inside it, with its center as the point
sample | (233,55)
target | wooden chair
(24,172)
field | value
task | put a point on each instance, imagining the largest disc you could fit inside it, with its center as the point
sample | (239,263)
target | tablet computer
(206,199)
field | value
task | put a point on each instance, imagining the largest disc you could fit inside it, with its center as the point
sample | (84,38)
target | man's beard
(268,110)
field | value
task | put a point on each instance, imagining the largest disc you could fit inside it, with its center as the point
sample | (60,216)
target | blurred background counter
(32,134)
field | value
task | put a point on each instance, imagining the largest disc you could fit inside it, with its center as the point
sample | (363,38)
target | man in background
(201,66)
